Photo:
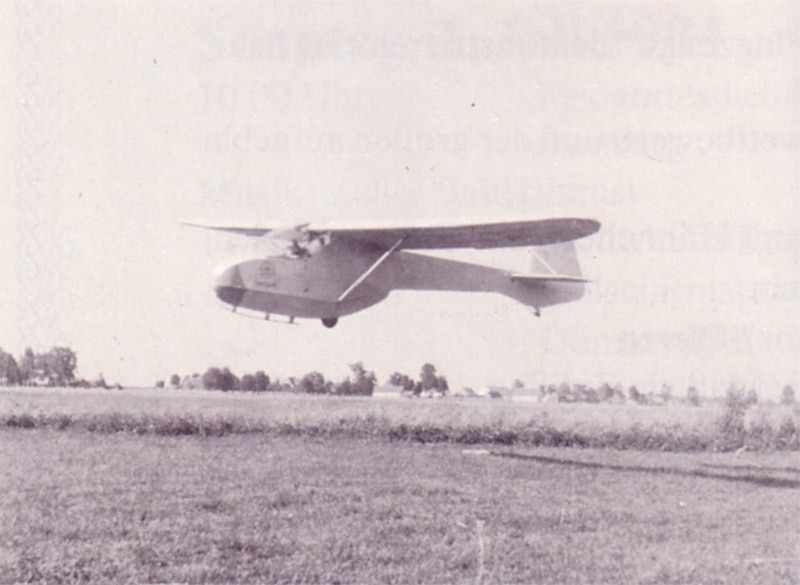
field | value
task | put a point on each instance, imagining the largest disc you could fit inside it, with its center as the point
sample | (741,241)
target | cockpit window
(299,245)
(306,246)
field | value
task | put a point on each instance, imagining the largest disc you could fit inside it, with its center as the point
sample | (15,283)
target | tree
(619,391)
(787,396)
(160,384)
(40,368)
(248,383)
(313,383)
(731,424)
(27,367)
(606,392)
(692,396)
(220,379)
(552,390)
(736,399)
(344,388)
(364,382)
(58,366)
(584,393)
(565,393)
(402,380)
(427,376)
(429,381)
(193,382)
(175,380)
(634,394)
(211,378)
(229,380)
(9,370)
(279,386)
(261,381)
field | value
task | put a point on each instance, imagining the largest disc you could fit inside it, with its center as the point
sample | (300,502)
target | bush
(730,427)
(760,435)
(788,437)
(21,421)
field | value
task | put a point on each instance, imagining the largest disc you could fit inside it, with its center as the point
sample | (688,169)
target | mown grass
(84,507)
(423,421)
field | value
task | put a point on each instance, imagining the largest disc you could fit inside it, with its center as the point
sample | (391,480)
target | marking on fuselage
(267,276)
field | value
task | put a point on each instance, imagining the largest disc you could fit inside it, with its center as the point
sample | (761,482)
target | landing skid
(281,320)
(328,322)
(250,314)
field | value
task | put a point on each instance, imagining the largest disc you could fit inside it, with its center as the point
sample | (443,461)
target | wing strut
(371,269)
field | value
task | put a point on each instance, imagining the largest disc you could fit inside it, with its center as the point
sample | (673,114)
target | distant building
(494,392)
(524,394)
(388,391)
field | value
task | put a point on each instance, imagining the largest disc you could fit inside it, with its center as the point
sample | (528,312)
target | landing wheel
(330,322)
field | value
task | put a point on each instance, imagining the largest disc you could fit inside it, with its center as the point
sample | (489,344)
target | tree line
(430,382)
(58,366)
(360,382)
(52,368)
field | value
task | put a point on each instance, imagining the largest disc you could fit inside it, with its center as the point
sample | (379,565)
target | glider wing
(485,235)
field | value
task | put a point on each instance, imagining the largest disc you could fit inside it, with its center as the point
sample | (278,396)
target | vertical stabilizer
(555,260)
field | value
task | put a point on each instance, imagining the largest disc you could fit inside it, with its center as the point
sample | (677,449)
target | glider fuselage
(326,285)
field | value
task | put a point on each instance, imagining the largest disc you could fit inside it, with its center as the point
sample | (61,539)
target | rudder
(559,260)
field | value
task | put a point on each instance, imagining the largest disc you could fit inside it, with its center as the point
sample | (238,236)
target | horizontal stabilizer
(544,278)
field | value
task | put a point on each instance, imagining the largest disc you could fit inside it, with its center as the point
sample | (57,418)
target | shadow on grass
(756,475)
(748,467)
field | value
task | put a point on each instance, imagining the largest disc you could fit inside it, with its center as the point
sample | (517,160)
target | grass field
(305,490)
(86,507)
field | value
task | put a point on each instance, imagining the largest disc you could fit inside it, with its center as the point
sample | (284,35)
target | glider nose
(229,286)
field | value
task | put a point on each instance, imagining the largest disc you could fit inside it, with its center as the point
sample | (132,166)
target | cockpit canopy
(296,243)
(301,249)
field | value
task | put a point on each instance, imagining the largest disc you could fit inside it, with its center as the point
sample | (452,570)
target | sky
(674,124)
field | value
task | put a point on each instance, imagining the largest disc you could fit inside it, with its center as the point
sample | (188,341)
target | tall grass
(731,431)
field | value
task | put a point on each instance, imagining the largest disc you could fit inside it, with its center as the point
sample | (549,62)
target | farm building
(524,394)
(388,391)
(493,392)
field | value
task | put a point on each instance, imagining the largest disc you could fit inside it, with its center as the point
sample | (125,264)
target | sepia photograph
(348,292)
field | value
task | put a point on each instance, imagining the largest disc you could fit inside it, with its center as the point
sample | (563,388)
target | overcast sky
(675,125)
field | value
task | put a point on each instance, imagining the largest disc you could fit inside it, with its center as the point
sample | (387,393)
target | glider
(326,273)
